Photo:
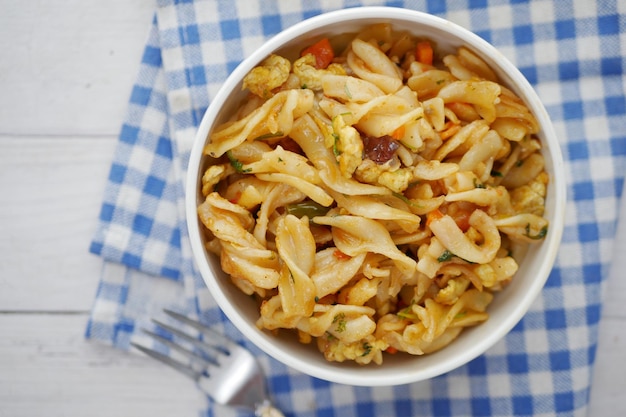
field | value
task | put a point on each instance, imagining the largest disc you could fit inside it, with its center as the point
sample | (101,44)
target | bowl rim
(549,246)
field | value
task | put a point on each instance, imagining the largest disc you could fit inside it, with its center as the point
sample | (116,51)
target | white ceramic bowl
(508,306)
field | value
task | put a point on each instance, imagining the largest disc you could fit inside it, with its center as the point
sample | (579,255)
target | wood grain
(48,208)
(68,65)
(48,369)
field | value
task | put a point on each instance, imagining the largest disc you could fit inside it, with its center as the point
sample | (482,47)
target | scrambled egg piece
(311,77)
(272,73)
(397,180)
(349,145)
(452,291)
(530,198)
(362,352)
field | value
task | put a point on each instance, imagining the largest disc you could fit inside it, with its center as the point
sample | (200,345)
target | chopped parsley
(478,184)
(406,199)
(278,134)
(307,208)
(401,197)
(445,256)
(407,312)
(237,164)
(347,90)
(340,321)
(540,235)
(336,150)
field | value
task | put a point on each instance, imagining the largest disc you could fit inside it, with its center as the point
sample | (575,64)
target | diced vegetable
(307,208)
(450,129)
(340,255)
(398,134)
(322,51)
(436,214)
(424,53)
(462,220)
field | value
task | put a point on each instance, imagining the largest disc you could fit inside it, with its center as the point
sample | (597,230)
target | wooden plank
(50,200)
(68,65)
(49,369)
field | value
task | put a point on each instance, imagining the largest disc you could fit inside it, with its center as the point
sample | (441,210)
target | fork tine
(205,347)
(236,380)
(168,361)
(220,339)
(206,359)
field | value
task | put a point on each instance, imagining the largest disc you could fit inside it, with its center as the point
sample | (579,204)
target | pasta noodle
(374,204)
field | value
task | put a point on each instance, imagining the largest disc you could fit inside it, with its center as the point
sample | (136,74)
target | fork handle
(265,409)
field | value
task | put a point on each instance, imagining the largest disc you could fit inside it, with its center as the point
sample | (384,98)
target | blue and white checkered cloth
(572,51)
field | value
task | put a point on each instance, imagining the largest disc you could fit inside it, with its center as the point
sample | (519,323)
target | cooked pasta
(375,202)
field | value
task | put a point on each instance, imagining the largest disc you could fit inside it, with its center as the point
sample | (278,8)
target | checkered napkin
(573,52)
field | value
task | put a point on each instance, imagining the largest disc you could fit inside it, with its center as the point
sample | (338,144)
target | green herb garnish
(445,256)
(405,199)
(307,208)
(478,184)
(347,90)
(401,197)
(237,164)
(540,235)
(270,136)
(336,150)
(340,321)
(407,312)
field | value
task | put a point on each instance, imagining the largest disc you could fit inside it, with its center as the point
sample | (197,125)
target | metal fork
(224,370)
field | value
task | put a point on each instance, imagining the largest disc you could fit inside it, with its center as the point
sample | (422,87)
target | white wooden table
(66,71)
